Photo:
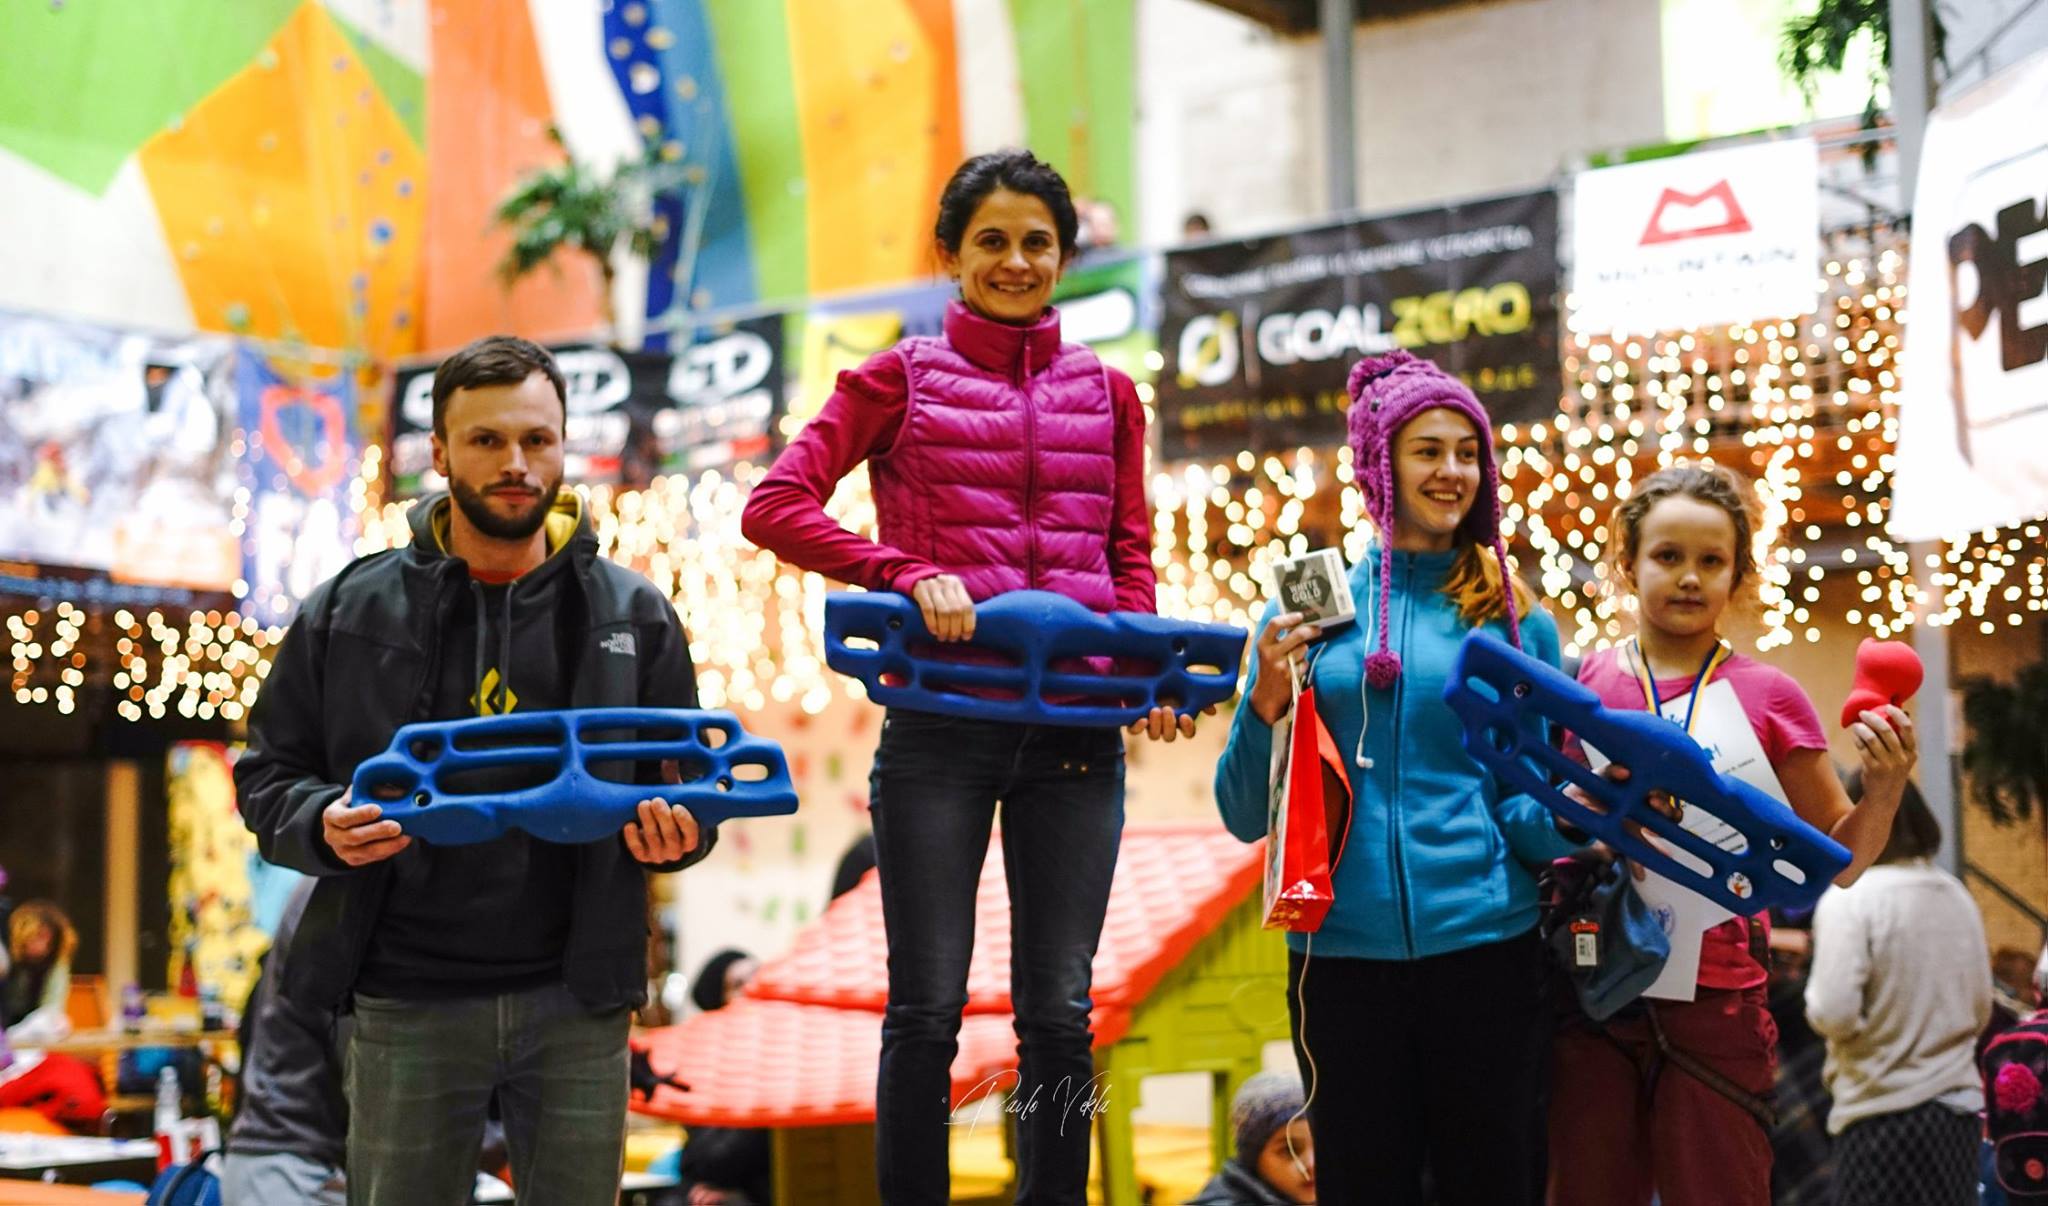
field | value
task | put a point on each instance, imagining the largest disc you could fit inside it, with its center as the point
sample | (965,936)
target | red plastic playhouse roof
(799,1048)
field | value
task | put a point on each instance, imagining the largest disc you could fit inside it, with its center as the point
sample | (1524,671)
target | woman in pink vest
(1002,459)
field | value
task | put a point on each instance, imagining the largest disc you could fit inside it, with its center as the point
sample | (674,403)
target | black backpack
(2015,1066)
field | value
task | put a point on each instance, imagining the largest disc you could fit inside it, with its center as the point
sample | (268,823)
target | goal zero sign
(1259,335)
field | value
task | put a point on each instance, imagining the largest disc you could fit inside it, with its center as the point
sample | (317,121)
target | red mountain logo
(1695,215)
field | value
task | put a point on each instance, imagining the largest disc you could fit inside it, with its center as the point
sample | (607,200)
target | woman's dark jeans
(934,792)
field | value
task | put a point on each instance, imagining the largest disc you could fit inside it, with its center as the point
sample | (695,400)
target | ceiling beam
(1297,18)
(1281,16)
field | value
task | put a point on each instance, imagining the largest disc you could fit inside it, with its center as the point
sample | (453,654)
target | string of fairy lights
(1807,408)
(1783,402)
(197,665)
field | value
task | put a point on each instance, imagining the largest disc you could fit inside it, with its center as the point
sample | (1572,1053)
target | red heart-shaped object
(1887,672)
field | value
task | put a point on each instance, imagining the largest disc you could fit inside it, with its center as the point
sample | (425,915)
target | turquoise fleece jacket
(1439,856)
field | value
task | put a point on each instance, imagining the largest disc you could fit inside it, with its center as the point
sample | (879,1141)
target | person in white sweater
(1900,987)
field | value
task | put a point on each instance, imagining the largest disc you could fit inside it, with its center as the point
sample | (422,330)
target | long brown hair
(1915,832)
(35,915)
(1474,585)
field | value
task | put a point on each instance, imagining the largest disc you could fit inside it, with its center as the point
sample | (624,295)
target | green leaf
(570,206)
(1818,44)
(2004,758)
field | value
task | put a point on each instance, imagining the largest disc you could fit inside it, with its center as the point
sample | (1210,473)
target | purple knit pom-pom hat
(1386,392)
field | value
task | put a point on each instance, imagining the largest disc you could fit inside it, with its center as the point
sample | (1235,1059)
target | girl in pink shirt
(1624,1123)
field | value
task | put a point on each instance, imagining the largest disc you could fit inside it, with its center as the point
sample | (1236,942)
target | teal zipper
(1395,816)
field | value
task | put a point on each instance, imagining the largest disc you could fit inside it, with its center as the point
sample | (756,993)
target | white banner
(1973,408)
(1697,240)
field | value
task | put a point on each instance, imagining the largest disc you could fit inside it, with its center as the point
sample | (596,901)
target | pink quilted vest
(1003,471)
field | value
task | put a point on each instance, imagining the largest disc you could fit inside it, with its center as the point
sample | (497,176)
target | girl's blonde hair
(35,915)
(1474,585)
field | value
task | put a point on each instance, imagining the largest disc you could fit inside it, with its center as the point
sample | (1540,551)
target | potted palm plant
(2005,757)
(1818,43)
(573,206)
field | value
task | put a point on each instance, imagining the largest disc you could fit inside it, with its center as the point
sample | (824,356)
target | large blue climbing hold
(1758,856)
(1025,663)
(568,776)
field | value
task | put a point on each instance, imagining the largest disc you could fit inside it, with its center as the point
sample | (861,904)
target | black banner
(633,416)
(1259,335)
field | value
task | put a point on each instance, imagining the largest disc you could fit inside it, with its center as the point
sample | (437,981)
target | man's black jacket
(362,659)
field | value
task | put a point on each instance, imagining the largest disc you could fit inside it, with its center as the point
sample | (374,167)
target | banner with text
(633,416)
(1113,307)
(1697,240)
(1259,335)
(1973,398)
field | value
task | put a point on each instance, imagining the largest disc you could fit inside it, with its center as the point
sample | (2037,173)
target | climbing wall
(326,170)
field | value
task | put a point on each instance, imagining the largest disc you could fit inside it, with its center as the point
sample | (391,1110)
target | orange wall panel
(291,199)
(487,117)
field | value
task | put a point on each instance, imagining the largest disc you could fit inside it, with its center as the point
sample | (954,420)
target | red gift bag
(1308,812)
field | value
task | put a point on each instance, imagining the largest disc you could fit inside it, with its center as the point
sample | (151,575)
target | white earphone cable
(1301,1003)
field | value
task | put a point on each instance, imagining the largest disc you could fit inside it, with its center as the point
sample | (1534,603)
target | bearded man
(509,967)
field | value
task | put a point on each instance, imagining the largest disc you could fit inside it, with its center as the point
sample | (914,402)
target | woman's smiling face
(1009,258)
(1436,478)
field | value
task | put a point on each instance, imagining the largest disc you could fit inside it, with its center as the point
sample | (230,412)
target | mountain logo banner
(1716,212)
(1699,240)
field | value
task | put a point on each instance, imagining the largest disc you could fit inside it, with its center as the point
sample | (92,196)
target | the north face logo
(618,642)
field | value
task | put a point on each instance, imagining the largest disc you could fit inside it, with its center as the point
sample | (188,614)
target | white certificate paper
(1724,732)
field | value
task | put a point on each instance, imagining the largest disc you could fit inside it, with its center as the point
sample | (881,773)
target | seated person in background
(726,1165)
(1274,1164)
(2012,981)
(722,977)
(289,1139)
(40,943)
(35,984)
(858,860)
(2015,993)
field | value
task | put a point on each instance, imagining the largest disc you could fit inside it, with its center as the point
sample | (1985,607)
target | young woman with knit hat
(1002,459)
(1419,1021)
